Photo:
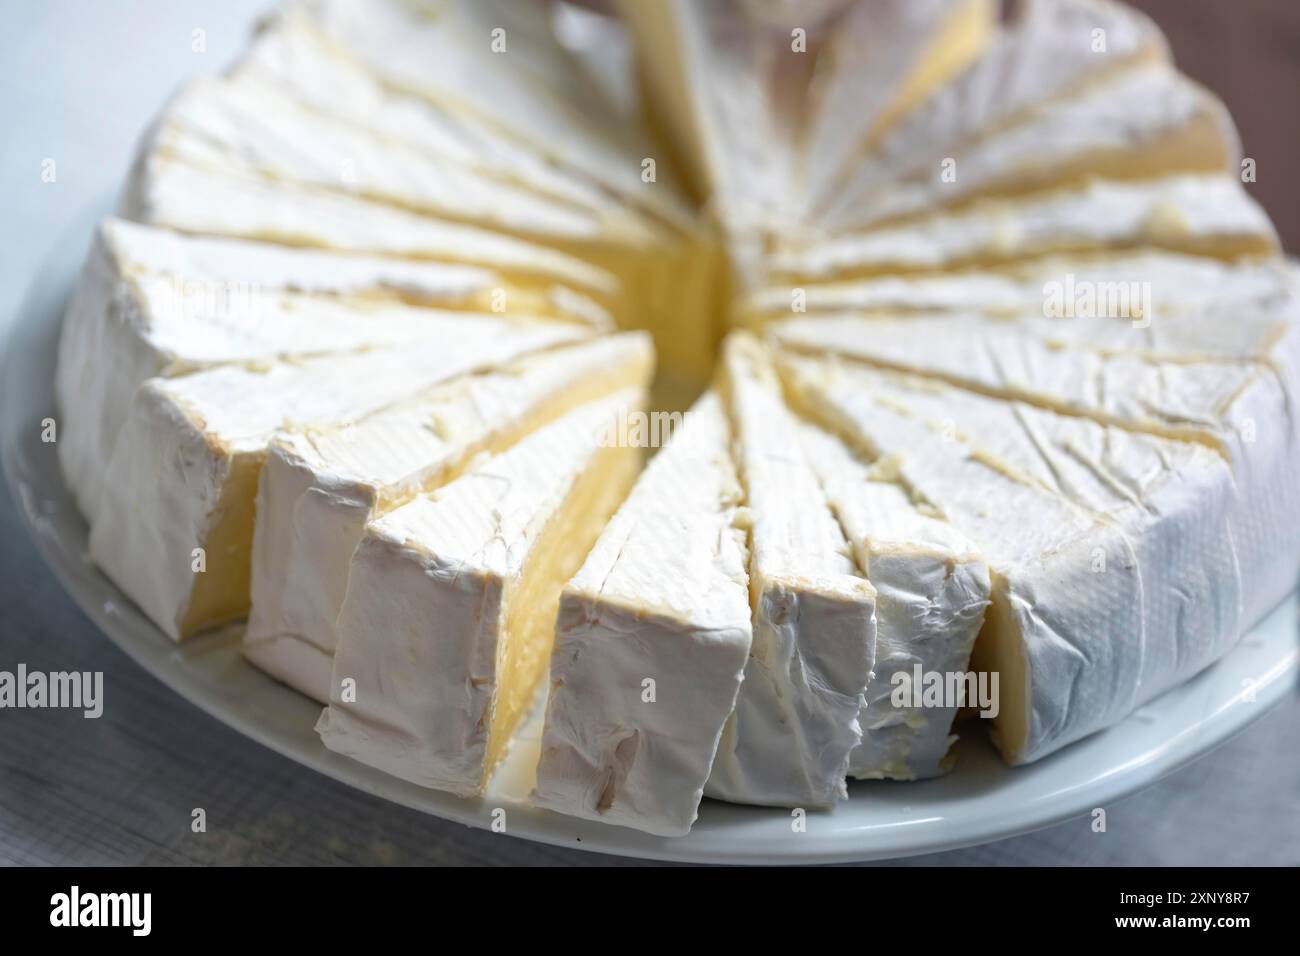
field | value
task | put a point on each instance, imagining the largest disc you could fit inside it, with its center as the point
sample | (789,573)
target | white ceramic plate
(982,800)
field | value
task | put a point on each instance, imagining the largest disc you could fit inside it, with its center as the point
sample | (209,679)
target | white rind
(184,439)
(420,628)
(1176,283)
(931,591)
(319,489)
(796,720)
(1189,213)
(232,203)
(1043,56)
(663,596)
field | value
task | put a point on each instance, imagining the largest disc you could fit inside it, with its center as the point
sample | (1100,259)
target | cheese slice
(1227,380)
(1202,215)
(1141,123)
(289,52)
(175,521)
(446,631)
(1116,283)
(154,303)
(319,488)
(1114,555)
(1052,49)
(235,204)
(497,63)
(885,59)
(249,124)
(932,588)
(796,719)
(651,642)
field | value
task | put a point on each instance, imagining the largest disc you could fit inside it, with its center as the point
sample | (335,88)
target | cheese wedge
(257,127)
(446,631)
(886,58)
(237,204)
(1118,283)
(1227,380)
(1052,49)
(154,303)
(1141,123)
(290,53)
(796,719)
(1202,215)
(497,64)
(174,526)
(319,488)
(1114,555)
(651,642)
(932,588)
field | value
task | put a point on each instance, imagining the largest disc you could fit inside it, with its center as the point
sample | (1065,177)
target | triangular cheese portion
(651,642)
(1142,123)
(1052,49)
(932,588)
(796,720)
(1167,282)
(290,53)
(498,64)
(174,525)
(1227,380)
(1114,554)
(320,487)
(155,303)
(249,125)
(236,204)
(1202,215)
(447,627)
(885,58)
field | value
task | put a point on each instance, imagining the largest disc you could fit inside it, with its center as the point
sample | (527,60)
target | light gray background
(81,79)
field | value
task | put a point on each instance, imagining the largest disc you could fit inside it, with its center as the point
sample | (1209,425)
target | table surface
(82,80)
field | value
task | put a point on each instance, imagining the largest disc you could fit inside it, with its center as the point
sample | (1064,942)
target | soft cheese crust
(1200,214)
(1142,122)
(1225,376)
(651,643)
(1178,283)
(932,588)
(433,637)
(319,488)
(183,474)
(1040,58)
(154,303)
(1175,505)
(796,719)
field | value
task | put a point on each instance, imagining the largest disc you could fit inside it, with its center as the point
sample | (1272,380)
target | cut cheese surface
(652,641)
(796,719)
(320,487)
(175,522)
(446,631)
